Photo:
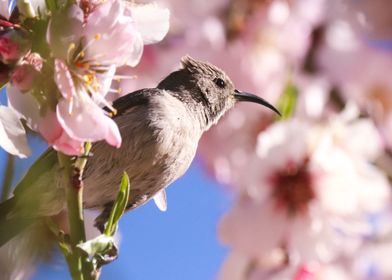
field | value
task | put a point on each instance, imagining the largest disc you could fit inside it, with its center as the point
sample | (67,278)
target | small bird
(160,128)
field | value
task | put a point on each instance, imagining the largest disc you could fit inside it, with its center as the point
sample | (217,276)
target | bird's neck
(196,109)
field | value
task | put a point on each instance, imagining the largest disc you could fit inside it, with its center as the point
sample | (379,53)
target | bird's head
(207,89)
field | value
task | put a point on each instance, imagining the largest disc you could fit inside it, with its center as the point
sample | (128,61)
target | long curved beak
(249,97)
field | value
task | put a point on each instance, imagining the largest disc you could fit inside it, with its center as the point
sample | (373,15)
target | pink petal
(239,229)
(63,79)
(64,30)
(151,21)
(25,105)
(136,52)
(54,134)
(23,77)
(4,9)
(12,133)
(87,122)
(68,146)
(116,31)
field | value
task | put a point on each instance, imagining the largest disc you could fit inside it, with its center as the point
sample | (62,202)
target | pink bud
(23,77)
(35,60)
(13,45)
(8,49)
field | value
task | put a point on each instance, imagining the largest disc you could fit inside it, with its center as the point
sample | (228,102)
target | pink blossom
(13,45)
(12,133)
(4,9)
(110,26)
(23,77)
(370,18)
(77,110)
(302,186)
(83,76)
(47,125)
(80,112)
(51,130)
(8,49)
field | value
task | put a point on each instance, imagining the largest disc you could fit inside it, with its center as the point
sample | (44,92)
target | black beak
(249,97)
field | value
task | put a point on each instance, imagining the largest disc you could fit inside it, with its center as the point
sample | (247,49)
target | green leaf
(119,206)
(99,251)
(288,100)
(98,245)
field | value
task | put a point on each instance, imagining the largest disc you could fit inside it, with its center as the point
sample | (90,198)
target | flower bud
(14,44)
(23,77)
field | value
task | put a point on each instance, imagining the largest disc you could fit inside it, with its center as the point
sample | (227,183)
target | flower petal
(239,230)
(68,146)
(110,28)
(87,122)
(63,79)
(151,21)
(4,9)
(12,133)
(25,105)
(135,54)
(64,31)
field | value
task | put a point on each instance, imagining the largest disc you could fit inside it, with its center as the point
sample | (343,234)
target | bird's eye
(220,83)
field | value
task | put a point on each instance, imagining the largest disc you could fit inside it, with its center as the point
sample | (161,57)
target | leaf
(99,251)
(98,245)
(119,206)
(288,100)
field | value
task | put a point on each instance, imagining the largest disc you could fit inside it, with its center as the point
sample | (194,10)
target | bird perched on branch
(160,128)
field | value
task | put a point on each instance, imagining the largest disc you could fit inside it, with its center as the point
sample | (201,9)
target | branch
(79,268)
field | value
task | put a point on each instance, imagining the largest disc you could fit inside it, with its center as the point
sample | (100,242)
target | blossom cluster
(58,60)
(312,191)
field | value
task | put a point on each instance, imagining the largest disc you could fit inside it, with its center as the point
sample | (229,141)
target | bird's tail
(23,242)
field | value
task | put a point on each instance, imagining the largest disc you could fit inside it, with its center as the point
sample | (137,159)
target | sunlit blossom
(306,186)
(81,41)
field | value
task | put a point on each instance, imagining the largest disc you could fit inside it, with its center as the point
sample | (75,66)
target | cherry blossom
(12,133)
(84,75)
(313,188)
(81,39)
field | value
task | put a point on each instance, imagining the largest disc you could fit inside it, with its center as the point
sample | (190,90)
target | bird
(160,129)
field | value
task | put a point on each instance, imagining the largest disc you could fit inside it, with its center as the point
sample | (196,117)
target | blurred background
(306,196)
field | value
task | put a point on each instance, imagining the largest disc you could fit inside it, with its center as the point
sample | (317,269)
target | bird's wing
(49,158)
(42,165)
(137,98)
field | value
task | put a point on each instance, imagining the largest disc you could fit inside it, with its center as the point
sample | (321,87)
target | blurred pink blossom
(13,45)
(4,9)
(307,181)
(23,77)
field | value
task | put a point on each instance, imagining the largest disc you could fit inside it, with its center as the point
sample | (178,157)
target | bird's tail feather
(23,242)
(10,226)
